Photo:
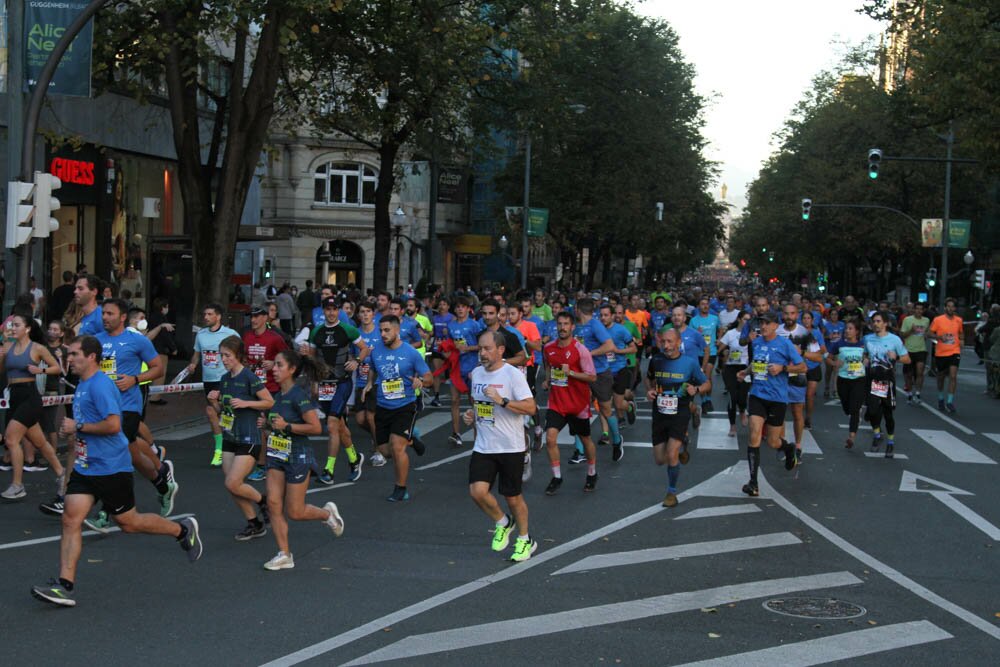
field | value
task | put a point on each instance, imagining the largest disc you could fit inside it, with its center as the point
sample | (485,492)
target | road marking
(447,459)
(880,455)
(86,533)
(946,494)
(723,510)
(995,437)
(835,401)
(875,564)
(964,429)
(835,647)
(588,617)
(861,427)
(320,489)
(952,447)
(714,434)
(680,551)
(430,422)
(809,444)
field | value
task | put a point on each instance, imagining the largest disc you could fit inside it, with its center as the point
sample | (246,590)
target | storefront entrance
(340,263)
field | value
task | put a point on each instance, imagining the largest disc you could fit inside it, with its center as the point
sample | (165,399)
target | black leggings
(737,390)
(852,395)
(879,408)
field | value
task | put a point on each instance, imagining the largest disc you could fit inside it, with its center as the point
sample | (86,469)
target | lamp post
(398,222)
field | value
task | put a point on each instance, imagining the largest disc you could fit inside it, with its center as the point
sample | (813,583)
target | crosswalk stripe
(809,444)
(447,459)
(714,434)
(952,447)
(995,437)
(961,427)
(586,617)
(880,455)
(694,549)
(835,647)
(722,510)
(432,421)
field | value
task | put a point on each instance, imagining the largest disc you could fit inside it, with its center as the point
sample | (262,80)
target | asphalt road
(892,562)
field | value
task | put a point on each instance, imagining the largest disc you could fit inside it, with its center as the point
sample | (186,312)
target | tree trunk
(383,229)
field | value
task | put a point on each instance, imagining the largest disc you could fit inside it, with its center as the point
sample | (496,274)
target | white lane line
(880,455)
(588,617)
(320,489)
(447,459)
(964,429)
(691,550)
(952,447)
(714,434)
(809,445)
(835,647)
(884,569)
(86,533)
(861,427)
(722,510)
(995,437)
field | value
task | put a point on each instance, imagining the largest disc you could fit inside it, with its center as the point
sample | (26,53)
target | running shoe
(849,444)
(577,458)
(14,492)
(553,486)
(167,499)
(916,399)
(217,459)
(941,404)
(876,442)
(54,593)
(696,418)
(605,439)
(435,402)
(909,400)
(789,451)
(455,439)
(399,494)
(684,456)
(192,541)
(259,474)
(950,407)
(250,532)
(706,406)
(356,468)
(418,446)
(6,466)
(282,561)
(732,431)
(523,549)
(36,466)
(798,456)
(591,483)
(53,507)
(670,500)
(889,449)
(325,477)
(751,489)
(334,521)
(101,523)
(526,472)
(617,452)
(378,460)
(630,412)
(501,535)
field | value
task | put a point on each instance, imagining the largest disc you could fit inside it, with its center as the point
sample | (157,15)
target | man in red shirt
(570,372)
(262,345)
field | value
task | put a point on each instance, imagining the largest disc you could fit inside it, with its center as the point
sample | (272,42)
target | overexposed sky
(754,60)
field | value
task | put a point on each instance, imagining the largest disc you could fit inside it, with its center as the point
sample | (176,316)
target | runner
(364,409)
(262,345)
(852,384)
(692,345)
(399,371)
(439,323)
(241,396)
(882,351)
(948,334)
(707,324)
(632,361)
(502,398)
(660,316)
(833,333)
(206,350)
(85,296)
(914,335)
(531,339)
(570,369)
(596,339)
(736,361)
(541,309)
(797,382)
(814,354)
(102,470)
(621,372)
(464,332)
(773,358)
(290,457)
(671,381)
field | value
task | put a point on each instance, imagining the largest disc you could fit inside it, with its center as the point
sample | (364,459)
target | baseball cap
(769,317)
(330,301)
(257,310)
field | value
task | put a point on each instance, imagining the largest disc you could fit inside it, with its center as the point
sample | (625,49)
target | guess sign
(80,172)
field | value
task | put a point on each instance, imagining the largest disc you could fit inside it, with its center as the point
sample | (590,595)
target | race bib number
(279,447)
(393,389)
(110,368)
(610,357)
(948,339)
(459,341)
(880,388)
(759,370)
(559,378)
(261,373)
(210,358)
(226,420)
(666,404)
(81,451)
(327,390)
(917,330)
(363,372)
(708,340)
(735,356)
(484,412)
(854,369)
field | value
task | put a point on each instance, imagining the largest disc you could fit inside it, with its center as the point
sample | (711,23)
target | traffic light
(979,279)
(43,222)
(932,278)
(267,270)
(807,205)
(743,263)
(19,213)
(770,256)
(874,162)
(989,286)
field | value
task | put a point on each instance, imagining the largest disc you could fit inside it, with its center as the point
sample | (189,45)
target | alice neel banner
(44,23)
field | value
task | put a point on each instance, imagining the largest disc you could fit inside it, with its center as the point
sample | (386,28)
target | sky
(754,60)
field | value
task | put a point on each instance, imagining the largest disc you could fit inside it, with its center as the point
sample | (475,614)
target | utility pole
(945,234)
(15,127)
(527,203)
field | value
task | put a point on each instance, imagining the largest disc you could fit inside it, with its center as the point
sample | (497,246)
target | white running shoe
(334,521)
(282,561)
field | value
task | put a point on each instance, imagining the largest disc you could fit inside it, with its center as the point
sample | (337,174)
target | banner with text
(45,21)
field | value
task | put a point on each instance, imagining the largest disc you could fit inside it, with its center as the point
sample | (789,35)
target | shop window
(345,184)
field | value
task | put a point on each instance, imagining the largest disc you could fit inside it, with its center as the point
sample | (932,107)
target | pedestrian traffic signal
(43,223)
(807,205)
(874,162)
(770,256)
(989,286)
(979,279)
(19,212)
(932,278)
(267,270)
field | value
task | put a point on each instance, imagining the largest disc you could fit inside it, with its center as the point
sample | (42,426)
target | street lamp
(503,242)
(968,258)
(398,222)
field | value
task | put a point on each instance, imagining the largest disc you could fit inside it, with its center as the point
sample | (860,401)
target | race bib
(759,370)
(279,447)
(880,388)
(484,412)
(735,356)
(393,389)
(948,339)
(327,390)
(459,341)
(559,378)
(610,356)
(210,358)
(261,373)
(917,330)
(854,369)
(666,404)
(708,340)
(226,420)
(110,367)
(363,372)
(81,451)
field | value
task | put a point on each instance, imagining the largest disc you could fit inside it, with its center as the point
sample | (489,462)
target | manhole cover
(821,608)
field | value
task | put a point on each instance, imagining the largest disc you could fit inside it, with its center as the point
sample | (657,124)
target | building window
(345,184)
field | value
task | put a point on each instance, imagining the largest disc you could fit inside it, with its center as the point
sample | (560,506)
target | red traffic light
(743,262)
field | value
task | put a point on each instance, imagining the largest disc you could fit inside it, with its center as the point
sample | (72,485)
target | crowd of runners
(519,368)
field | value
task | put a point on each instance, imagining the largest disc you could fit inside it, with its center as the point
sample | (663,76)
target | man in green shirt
(630,360)
(913,332)
(541,309)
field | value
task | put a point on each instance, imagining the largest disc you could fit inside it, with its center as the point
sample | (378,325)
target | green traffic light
(873,173)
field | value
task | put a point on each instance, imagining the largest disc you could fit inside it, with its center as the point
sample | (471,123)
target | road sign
(946,493)
(538,221)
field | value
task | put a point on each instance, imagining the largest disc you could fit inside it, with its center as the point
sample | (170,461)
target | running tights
(852,395)
(737,390)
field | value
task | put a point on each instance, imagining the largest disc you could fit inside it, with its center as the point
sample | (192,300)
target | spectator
(62,296)
(307,299)
(286,309)
(161,332)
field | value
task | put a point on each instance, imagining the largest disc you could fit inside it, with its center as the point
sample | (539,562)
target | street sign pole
(527,203)
(15,126)
(945,233)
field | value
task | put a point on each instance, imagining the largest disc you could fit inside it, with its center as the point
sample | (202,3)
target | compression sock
(578,444)
(161,480)
(673,472)
(556,470)
(616,437)
(66,583)
(753,458)
(330,463)
(592,467)
(951,399)
(940,396)
(218,441)
(352,454)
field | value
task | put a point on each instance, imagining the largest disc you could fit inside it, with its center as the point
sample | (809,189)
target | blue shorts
(336,405)
(296,468)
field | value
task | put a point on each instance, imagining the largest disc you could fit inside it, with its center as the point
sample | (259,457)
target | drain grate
(816,608)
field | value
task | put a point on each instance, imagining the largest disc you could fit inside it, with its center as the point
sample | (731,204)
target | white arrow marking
(946,494)
(724,510)
(809,445)
(714,434)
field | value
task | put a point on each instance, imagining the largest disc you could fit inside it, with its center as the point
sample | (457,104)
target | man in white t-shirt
(500,397)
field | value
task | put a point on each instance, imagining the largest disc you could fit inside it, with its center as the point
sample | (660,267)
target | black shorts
(712,358)
(144,390)
(25,404)
(622,381)
(507,468)
(130,425)
(434,354)
(773,412)
(602,388)
(670,427)
(240,448)
(557,420)
(115,491)
(210,387)
(397,421)
(368,404)
(50,418)
(814,374)
(918,357)
(942,364)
